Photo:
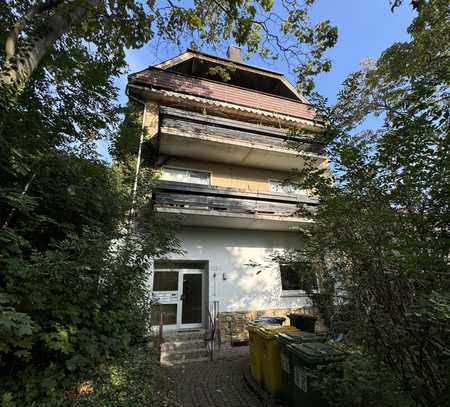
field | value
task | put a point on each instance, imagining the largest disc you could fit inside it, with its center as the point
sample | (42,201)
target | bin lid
(270,320)
(270,331)
(317,353)
(252,327)
(256,327)
(301,316)
(298,337)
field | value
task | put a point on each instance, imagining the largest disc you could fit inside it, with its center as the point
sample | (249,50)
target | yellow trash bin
(256,350)
(271,364)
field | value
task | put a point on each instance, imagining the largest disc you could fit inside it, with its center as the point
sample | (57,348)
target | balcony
(209,206)
(213,138)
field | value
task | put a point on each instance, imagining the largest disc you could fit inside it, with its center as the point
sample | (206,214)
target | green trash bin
(287,375)
(303,322)
(306,357)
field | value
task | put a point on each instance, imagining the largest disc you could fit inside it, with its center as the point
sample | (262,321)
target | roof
(226,60)
(157,78)
(277,79)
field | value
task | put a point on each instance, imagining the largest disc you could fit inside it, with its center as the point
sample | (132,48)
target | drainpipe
(138,161)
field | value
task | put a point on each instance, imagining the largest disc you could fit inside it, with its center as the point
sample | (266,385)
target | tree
(71,297)
(381,234)
(68,301)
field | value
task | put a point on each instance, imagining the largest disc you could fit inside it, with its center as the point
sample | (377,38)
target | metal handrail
(213,329)
(160,336)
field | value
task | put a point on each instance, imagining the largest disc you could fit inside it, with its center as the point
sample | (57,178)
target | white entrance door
(180,298)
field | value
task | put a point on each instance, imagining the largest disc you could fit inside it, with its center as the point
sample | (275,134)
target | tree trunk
(20,63)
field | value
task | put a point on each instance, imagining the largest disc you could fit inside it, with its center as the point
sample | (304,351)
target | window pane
(174,174)
(290,278)
(181,175)
(192,302)
(275,186)
(278,186)
(169,314)
(165,281)
(198,177)
(298,276)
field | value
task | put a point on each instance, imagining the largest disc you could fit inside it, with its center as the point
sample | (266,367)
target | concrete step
(184,361)
(182,345)
(184,355)
(183,336)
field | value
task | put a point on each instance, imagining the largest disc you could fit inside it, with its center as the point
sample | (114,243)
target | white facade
(230,277)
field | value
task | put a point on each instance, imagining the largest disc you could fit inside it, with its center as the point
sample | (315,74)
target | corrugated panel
(223,92)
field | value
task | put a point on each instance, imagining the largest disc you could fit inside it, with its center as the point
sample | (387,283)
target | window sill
(296,293)
(293,293)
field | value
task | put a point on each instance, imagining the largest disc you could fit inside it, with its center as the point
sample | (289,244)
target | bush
(360,381)
(133,380)
(66,311)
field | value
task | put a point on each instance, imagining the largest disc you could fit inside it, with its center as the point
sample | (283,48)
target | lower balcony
(209,206)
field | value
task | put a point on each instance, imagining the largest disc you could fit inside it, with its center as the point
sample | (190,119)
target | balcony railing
(213,128)
(230,200)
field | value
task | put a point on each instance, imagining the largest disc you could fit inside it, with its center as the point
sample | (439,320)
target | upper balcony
(210,206)
(213,138)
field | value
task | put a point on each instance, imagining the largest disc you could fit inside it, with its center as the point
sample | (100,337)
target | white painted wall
(229,251)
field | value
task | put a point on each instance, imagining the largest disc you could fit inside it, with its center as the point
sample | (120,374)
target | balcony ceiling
(211,138)
(217,219)
(235,152)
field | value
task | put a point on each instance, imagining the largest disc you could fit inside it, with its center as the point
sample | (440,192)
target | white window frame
(187,170)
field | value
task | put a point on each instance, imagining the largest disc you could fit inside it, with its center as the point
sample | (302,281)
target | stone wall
(236,322)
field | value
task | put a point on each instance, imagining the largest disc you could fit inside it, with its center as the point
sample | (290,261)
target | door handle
(181,297)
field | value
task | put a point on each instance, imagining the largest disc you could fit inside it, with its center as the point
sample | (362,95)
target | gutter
(141,140)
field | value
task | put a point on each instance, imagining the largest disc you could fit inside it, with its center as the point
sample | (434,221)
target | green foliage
(221,73)
(72,278)
(361,381)
(97,33)
(133,380)
(381,232)
(70,308)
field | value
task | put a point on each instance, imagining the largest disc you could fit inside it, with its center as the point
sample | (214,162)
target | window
(297,277)
(165,281)
(184,175)
(282,188)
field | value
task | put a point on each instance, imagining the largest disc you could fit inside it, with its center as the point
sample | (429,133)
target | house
(219,128)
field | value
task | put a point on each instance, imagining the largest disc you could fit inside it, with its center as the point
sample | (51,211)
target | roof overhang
(178,99)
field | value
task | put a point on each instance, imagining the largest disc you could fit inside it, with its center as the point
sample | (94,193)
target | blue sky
(366,28)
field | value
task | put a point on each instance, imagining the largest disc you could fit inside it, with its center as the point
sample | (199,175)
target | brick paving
(219,383)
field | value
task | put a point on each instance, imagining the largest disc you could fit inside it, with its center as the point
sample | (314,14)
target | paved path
(219,383)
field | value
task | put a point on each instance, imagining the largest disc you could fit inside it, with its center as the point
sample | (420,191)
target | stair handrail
(213,329)
(160,336)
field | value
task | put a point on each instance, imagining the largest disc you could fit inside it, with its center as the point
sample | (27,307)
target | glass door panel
(165,281)
(192,298)
(169,314)
(166,293)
